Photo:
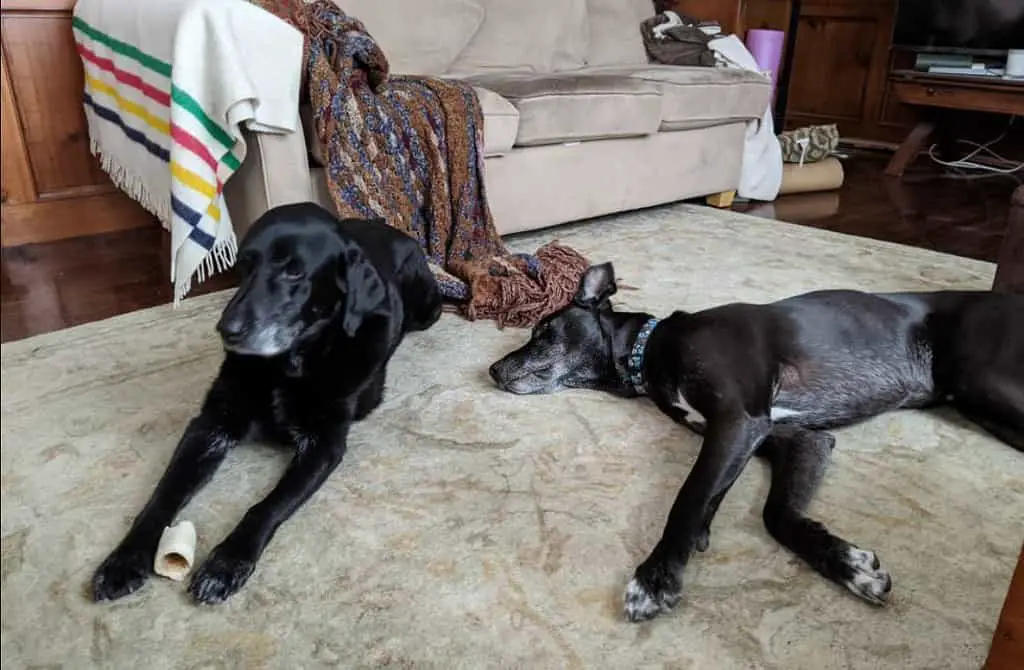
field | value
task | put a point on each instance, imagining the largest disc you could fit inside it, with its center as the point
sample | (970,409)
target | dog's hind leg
(798,459)
(985,367)
(994,401)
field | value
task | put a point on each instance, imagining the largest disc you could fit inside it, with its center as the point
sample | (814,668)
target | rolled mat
(824,175)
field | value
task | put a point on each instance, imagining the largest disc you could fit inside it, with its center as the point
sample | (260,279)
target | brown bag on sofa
(680,45)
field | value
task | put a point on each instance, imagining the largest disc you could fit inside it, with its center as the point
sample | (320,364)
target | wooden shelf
(981,94)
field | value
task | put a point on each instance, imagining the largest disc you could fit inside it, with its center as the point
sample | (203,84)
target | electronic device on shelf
(978,28)
(969,38)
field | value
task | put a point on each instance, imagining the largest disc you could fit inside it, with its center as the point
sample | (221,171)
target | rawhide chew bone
(176,551)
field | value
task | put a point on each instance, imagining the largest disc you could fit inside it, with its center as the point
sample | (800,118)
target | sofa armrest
(275,172)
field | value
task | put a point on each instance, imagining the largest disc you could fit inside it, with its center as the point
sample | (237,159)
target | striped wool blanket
(168,86)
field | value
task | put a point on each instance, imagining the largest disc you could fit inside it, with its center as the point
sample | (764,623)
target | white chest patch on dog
(692,415)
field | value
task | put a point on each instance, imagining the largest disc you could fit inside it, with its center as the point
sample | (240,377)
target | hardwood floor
(928,208)
(46,287)
(50,286)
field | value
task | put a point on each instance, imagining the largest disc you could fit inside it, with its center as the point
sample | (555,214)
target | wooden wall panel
(52,186)
(772,14)
(41,60)
(728,13)
(18,185)
(831,49)
(840,67)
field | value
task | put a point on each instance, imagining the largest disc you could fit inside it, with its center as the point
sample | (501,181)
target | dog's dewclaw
(176,551)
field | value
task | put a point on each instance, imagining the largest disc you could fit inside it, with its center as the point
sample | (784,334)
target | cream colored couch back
(527,35)
(614,30)
(419,36)
(436,37)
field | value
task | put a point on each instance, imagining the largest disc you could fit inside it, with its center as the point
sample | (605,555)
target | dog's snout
(231,327)
(494,373)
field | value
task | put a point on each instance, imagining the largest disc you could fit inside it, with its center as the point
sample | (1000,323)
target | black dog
(321,307)
(767,379)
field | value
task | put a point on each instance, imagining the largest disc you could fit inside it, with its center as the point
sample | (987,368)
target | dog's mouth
(263,342)
(248,350)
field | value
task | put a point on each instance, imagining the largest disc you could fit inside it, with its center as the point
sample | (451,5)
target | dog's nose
(493,372)
(231,328)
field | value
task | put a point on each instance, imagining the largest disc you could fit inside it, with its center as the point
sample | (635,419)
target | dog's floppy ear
(596,285)
(363,286)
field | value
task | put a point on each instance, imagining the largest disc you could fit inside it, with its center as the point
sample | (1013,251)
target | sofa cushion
(501,121)
(614,28)
(567,107)
(418,36)
(697,97)
(527,35)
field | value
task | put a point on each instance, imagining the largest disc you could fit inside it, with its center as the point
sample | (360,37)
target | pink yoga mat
(766,47)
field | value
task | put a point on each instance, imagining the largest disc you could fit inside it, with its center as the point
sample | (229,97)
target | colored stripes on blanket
(134,91)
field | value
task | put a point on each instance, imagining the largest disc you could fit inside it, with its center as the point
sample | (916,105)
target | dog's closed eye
(544,332)
(293,271)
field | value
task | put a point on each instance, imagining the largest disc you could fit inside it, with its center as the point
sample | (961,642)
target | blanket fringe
(133,186)
(220,259)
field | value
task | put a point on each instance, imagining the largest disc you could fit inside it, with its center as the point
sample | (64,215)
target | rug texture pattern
(472,528)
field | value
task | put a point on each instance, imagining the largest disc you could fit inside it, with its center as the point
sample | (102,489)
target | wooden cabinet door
(53,188)
(840,66)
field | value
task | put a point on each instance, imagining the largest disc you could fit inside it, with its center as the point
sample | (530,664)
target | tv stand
(936,92)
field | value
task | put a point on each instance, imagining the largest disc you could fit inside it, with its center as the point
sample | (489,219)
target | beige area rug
(469,528)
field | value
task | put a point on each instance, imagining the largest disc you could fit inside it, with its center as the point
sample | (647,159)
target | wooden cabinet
(728,13)
(52,186)
(840,65)
(1007,648)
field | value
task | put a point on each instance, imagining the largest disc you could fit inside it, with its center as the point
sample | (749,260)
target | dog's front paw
(652,590)
(123,572)
(219,577)
(865,577)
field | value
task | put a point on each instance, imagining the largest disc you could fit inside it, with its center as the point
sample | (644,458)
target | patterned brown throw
(410,150)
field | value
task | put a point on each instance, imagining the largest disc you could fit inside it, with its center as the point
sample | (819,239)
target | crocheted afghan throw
(409,150)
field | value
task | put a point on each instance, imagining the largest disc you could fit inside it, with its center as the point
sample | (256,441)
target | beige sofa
(577,124)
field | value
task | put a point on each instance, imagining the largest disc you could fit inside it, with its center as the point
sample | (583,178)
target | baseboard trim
(60,219)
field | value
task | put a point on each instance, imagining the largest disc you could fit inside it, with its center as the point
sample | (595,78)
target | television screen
(960,25)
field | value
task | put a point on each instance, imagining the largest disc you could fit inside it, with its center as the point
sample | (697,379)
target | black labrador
(768,380)
(322,305)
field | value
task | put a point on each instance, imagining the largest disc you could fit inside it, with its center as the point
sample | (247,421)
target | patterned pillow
(821,142)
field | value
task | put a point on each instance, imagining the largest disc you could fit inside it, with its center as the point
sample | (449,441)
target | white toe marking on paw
(868,582)
(639,603)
